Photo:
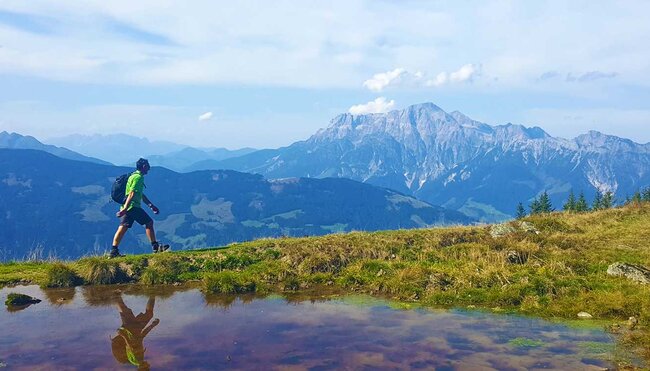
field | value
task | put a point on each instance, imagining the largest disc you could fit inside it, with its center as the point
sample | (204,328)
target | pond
(129,327)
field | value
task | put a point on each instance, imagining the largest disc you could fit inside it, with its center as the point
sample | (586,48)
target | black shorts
(135,214)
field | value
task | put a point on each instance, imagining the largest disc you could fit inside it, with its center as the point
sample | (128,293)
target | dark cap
(141,163)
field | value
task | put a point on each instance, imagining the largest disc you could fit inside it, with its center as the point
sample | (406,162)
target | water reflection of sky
(72,329)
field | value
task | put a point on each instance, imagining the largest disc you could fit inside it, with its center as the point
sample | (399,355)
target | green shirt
(135,184)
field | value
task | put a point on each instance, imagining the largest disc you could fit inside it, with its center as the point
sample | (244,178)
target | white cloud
(381,80)
(440,80)
(379,105)
(206,116)
(466,73)
(400,76)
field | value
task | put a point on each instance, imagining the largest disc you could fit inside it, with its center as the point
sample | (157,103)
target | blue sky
(265,74)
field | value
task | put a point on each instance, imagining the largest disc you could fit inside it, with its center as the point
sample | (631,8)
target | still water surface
(133,327)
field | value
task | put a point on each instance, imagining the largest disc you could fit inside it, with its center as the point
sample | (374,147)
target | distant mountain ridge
(62,207)
(17,141)
(124,150)
(455,161)
(119,149)
(191,159)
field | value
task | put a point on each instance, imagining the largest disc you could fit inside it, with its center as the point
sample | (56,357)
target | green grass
(229,283)
(61,275)
(27,272)
(560,271)
(101,271)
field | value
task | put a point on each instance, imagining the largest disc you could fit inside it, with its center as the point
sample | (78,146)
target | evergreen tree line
(542,204)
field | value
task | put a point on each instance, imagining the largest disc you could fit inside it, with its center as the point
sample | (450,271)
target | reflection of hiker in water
(128,345)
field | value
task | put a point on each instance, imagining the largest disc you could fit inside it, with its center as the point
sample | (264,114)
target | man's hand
(120,213)
(154,209)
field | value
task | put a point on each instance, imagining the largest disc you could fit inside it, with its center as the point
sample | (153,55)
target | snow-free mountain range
(121,149)
(59,207)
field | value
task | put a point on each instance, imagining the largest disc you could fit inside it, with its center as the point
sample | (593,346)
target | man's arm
(126,204)
(150,204)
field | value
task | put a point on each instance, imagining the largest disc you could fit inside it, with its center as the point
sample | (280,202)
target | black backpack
(119,188)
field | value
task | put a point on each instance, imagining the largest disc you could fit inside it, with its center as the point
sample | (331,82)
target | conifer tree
(645,195)
(570,204)
(521,212)
(608,200)
(636,197)
(598,200)
(534,207)
(581,204)
(544,203)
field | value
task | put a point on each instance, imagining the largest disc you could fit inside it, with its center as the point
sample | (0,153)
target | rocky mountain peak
(425,120)
(595,141)
(426,108)
(592,137)
(522,133)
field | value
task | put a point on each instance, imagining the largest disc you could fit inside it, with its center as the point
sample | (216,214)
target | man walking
(132,210)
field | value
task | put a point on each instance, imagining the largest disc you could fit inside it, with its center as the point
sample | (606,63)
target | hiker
(132,210)
(128,344)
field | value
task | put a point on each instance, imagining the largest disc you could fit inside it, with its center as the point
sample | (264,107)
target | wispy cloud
(379,105)
(134,33)
(548,75)
(27,22)
(205,116)
(591,76)
(576,77)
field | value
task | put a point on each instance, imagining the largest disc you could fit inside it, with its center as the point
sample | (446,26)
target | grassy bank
(554,265)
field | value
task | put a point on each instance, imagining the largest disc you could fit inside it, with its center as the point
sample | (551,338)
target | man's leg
(119,234)
(144,219)
(121,231)
(150,232)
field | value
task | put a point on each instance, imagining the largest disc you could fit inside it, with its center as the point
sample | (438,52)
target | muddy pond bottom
(133,327)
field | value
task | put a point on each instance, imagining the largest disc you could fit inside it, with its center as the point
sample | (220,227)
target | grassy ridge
(557,268)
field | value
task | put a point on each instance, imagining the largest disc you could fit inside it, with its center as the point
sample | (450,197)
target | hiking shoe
(115,254)
(160,248)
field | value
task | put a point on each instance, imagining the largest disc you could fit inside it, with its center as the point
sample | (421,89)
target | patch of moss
(166,271)
(17,300)
(61,275)
(229,283)
(593,347)
(525,343)
(101,271)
